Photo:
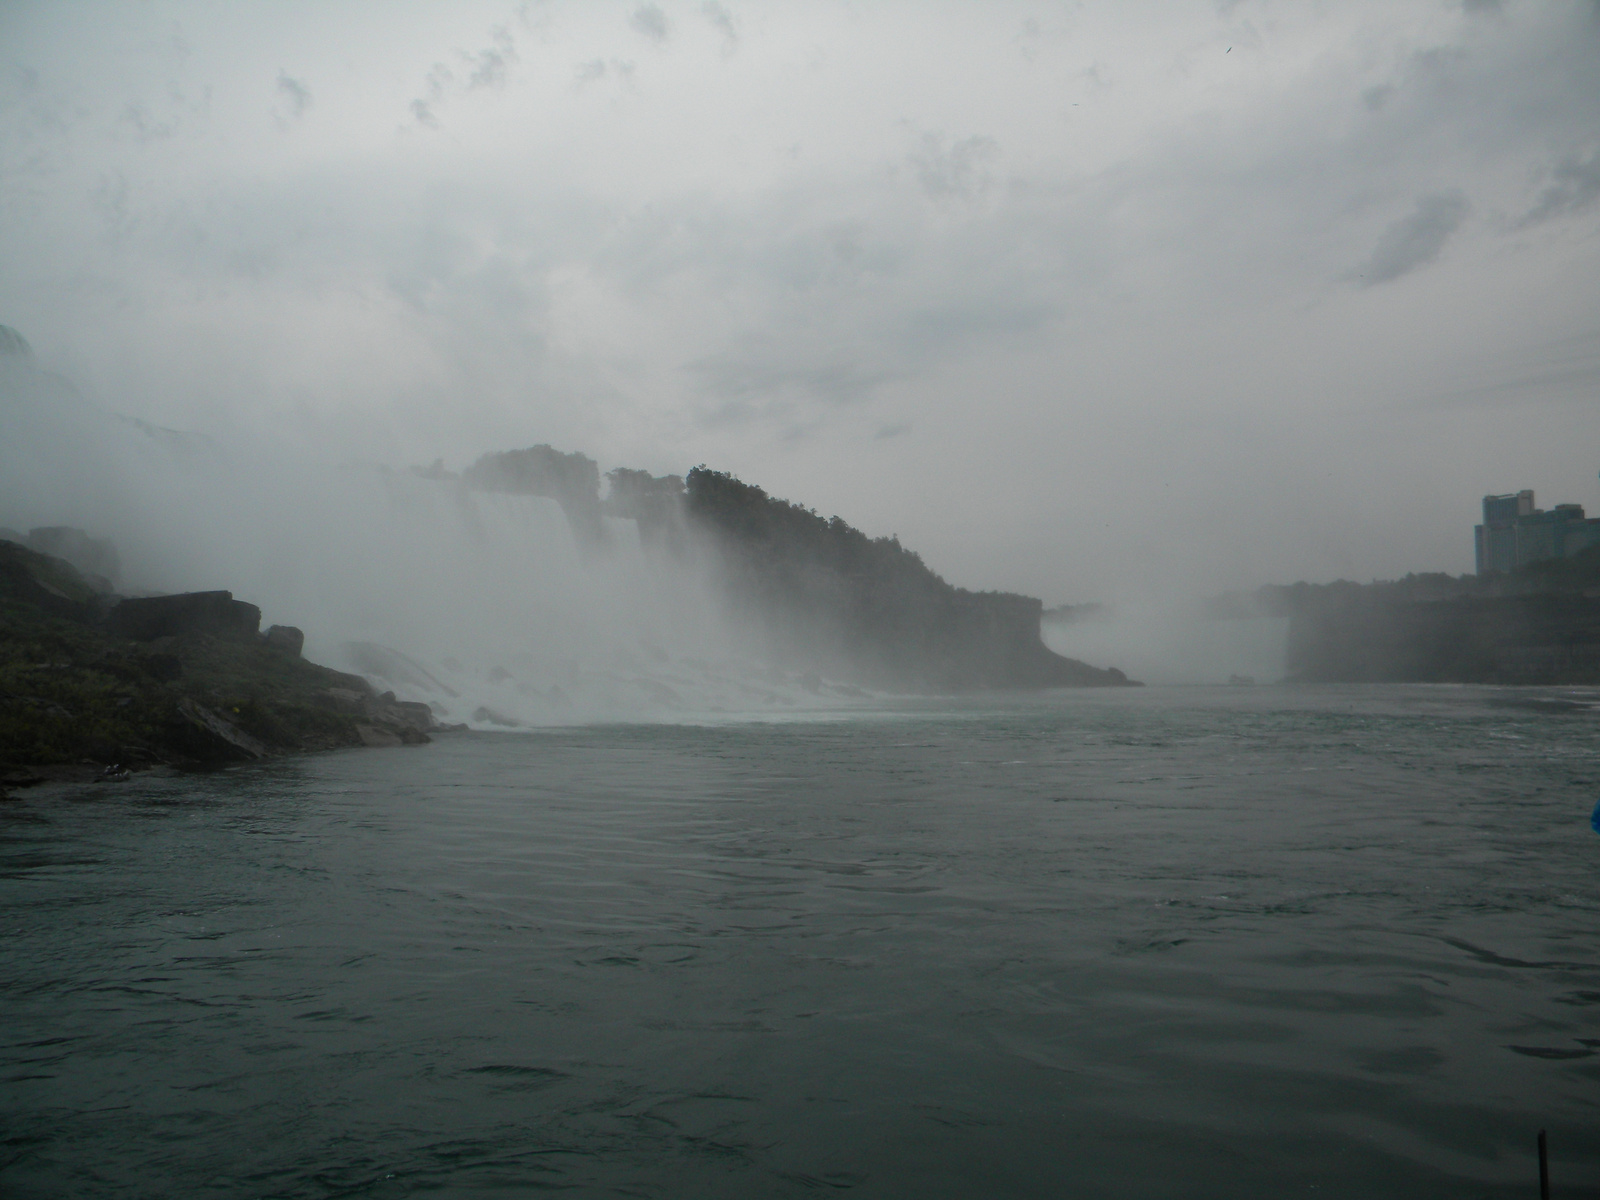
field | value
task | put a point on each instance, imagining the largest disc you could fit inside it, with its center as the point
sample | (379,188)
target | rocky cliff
(818,593)
(824,591)
(1537,626)
(95,685)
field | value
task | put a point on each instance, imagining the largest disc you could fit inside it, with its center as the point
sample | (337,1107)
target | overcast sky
(1082,300)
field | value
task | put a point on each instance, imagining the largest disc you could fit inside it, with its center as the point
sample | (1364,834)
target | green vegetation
(1581,572)
(868,607)
(788,534)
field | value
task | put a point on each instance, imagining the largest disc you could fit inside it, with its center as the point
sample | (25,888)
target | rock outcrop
(146,618)
(1540,625)
(96,559)
(572,480)
(825,594)
(286,638)
(90,682)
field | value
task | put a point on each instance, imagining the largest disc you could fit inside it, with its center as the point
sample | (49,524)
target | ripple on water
(1172,943)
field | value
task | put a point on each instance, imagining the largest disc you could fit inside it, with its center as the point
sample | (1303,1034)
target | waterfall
(479,604)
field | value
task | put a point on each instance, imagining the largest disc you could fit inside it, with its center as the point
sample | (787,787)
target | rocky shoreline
(94,686)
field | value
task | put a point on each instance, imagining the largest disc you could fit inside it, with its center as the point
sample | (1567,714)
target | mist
(768,597)
(1131,305)
(483,605)
(1176,643)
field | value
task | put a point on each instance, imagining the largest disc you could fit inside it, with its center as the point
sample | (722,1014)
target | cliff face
(867,607)
(572,480)
(822,594)
(1545,639)
(90,681)
(1533,627)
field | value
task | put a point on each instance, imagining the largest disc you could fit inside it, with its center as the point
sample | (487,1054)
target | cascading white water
(477,603)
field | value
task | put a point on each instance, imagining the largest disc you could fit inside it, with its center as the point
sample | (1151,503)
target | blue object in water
(1594,819)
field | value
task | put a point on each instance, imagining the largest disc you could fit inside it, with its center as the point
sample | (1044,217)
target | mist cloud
(959,169)
(295,93)
(488,66)
(722,20)
(1106,262)
(1415,240)
(649,20)
(1575,185)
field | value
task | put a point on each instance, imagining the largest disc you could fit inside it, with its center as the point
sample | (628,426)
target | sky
(1088,301)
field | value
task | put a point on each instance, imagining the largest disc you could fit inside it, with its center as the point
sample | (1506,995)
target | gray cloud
(1415,240)
(484,69)
(723,21)
(959,169)
(489,64)
(597,69)
(649,20)
(1099,294)
(295,93)
(439,78)
(146,127)
(1562,372)
(1575,185)
(1376,96)
(747,384)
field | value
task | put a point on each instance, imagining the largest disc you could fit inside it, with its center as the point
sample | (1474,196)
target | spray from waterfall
(494,607)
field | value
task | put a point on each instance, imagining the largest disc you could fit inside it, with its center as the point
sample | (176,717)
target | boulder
(207,735)
(286,638)
(390,733)
(147,618)
(415,714)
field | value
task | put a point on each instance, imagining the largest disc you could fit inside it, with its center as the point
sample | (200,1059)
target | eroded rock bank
(94,685)
(1539,625)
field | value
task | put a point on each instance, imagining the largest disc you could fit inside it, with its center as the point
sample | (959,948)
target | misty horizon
(754,598)
(1092,306)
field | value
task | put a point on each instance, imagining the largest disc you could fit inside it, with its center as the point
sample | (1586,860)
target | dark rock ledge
(93,685)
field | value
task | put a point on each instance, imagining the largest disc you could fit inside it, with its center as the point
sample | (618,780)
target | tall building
(1514,533)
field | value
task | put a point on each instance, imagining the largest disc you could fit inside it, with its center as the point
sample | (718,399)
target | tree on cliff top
(746,514)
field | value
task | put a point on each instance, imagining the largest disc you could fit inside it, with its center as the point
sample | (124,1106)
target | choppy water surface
(1186,942)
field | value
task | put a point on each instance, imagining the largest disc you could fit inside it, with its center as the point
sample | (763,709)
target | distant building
(1514,533)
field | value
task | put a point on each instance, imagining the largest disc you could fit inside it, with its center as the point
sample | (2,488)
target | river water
(1179,942)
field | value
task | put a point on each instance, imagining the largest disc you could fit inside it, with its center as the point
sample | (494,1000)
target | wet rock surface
(94,687)
(286,638)
(144,619)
